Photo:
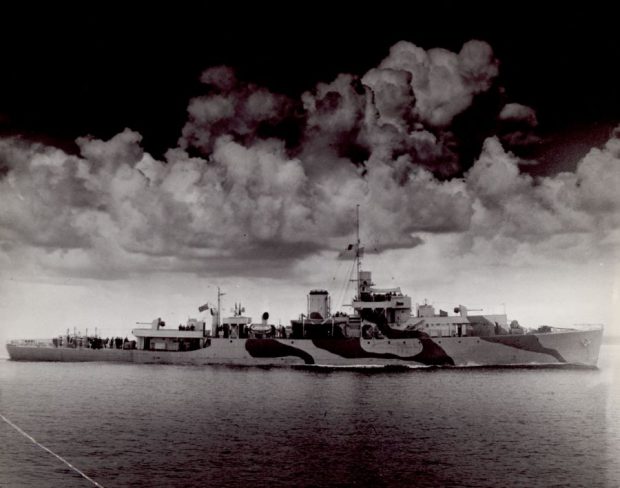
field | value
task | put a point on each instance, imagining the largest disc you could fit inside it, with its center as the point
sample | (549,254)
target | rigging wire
(33,440)
(345,286)
(336,276)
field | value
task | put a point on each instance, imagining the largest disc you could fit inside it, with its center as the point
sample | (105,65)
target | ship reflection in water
(177,426)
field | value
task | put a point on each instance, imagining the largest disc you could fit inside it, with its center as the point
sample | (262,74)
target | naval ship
(382,330)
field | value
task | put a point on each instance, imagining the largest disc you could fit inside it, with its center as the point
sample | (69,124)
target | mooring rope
(33,440)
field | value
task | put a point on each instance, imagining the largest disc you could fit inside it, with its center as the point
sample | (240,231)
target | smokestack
(214,322)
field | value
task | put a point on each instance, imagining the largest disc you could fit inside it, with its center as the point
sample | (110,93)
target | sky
(148,157)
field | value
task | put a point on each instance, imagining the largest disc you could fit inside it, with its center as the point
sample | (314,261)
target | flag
(351,251)
(204,307)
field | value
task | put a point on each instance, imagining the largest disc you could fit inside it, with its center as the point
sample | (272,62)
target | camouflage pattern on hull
(271,348)
(571,347)
(431,355)
(527,343)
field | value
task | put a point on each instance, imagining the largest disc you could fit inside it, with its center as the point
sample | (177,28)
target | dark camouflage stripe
(271,348)
(432,354)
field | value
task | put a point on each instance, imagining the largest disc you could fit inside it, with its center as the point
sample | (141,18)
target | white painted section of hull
(575,347)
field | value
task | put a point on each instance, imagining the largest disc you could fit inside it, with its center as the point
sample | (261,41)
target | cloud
(444,82)
(116,210)
(244,193)
(572,210)
(220,78)
(518,112)
(517,126)
(336,107)
(402,107)
(239,110)
(392,98)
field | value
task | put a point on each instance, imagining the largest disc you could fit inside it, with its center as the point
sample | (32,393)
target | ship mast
(358,259)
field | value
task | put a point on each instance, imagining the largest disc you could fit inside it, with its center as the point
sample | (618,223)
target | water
(174,426)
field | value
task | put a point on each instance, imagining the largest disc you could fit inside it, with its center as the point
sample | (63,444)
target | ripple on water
(154,425)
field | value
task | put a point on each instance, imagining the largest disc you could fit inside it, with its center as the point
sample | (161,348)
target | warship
(382,330)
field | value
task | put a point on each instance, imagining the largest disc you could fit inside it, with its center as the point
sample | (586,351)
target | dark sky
(66,74)
(101,67)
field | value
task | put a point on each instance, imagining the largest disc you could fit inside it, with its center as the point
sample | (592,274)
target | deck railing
(31,342)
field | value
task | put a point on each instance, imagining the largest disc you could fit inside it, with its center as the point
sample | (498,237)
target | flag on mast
(351,251)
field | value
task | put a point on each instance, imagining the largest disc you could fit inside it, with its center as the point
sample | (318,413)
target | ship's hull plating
(569,348)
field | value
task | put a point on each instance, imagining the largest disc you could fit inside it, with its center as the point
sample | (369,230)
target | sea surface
(173,426)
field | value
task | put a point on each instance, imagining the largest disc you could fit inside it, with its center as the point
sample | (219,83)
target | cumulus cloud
(392,97)
(115,204)
(391,128)
(232,108)
(404,106)
(243,193)
(444,82)
(335,107)
(517,126)
(518,112)
(578,205)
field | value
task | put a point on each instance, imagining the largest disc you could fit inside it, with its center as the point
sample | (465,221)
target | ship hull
(579,348)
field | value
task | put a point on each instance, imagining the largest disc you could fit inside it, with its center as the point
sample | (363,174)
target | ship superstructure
(382,329)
